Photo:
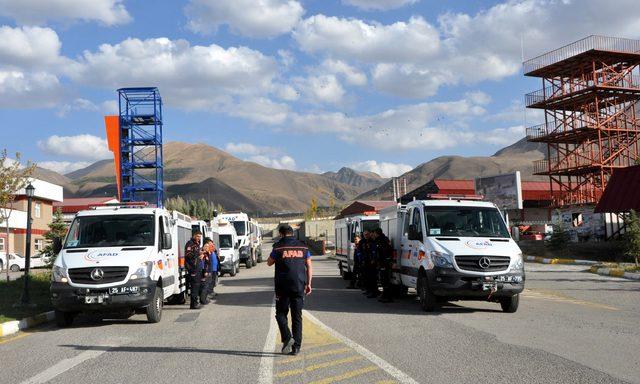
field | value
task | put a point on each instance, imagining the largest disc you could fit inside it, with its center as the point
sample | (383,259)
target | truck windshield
(111,231)
(241,227)
(465,222)
(226,241)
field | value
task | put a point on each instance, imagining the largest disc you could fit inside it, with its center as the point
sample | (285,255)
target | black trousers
(385,281)
(205,286)
(295,302)
(194,285)
(214,282)
(371,278)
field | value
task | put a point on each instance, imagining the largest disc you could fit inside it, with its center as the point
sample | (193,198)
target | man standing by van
(293,274)
(194,264)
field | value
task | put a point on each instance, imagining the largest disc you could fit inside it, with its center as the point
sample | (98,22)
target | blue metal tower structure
(141,169)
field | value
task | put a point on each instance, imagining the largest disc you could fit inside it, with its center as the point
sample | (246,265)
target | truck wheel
(248,263)
(1,265)
(260,256)
(510,304)
(233,271)
(15,268)
(64,319)
(428,300)
(154,310)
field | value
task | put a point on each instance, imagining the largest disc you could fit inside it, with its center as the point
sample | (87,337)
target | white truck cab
(454,250)
(228,248)
(117,259)
(242,223)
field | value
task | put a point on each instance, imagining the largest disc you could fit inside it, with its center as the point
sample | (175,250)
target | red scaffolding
(590,95)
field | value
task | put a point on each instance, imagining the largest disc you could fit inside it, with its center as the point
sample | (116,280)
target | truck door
(415,234)
(167,258)
(405,250)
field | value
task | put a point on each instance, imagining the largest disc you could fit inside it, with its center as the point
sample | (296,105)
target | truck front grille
(477,263)
(109,275)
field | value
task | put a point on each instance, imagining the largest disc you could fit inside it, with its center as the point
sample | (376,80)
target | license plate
(99,299)
(123,290)
(489,287)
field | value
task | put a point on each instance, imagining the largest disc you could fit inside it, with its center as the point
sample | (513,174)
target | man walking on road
(293,274)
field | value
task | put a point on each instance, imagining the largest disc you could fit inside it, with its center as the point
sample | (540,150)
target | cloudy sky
(310,85)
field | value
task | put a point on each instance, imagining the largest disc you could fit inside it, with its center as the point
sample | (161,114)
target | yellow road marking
(308,346)
(315,367)
(314,355)
(19,336)
(347,375)
(556,297)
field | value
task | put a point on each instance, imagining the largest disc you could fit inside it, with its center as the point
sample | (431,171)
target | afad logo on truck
(96,256)
(479,244)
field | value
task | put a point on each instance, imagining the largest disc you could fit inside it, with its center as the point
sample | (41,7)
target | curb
(15,326)
(542,260)
(615,272)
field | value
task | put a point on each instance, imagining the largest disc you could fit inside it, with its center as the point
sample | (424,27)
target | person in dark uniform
(293,274)
(384,259)
(205,281)
(369,269)
(194,264)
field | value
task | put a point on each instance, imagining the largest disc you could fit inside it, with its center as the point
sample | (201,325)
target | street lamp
(27,262)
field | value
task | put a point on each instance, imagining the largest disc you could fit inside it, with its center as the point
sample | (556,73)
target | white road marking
(67,364)
(265,374)
(375,359)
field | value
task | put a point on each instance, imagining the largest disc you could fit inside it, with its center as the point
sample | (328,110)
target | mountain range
(202,171)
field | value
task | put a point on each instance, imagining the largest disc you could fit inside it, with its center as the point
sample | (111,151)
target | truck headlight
(143,271)
(221,259)
(59,274)
(441,260)
(518,264)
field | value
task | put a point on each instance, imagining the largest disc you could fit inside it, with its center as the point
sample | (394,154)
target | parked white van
(228,248)
(117,259)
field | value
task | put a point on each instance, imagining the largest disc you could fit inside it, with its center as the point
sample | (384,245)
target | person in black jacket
(369,265)
(384,255)
(194,264)
(292,280)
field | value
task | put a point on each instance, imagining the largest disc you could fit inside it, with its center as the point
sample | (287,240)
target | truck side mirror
(56,245)
(167,242)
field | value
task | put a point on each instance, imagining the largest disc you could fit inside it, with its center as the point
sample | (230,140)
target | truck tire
(510,304)
(154,310)
(259,259)
(428,300)
(233,271)
(1,265)
(64,319)
(248,263)
(15,268)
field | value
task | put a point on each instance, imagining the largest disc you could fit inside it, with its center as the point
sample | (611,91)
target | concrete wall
(317,229)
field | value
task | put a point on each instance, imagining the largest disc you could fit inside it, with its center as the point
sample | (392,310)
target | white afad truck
(345,230)
(228,248)
(449,250)
(118,259)
(246,246)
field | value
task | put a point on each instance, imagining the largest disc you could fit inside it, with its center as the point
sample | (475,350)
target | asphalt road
(572,327)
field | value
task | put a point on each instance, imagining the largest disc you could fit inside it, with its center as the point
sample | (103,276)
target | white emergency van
(246,247)
(452,250)
(345,230)
(256,240)
(228,248)
(118,259)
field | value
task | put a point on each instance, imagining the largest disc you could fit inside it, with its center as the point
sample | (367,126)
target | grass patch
(11,292)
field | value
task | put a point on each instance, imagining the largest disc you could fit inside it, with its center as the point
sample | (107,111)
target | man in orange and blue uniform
(293,274)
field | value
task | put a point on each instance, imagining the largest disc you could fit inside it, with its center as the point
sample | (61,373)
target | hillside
(516,157)
(199,170)
(366,180)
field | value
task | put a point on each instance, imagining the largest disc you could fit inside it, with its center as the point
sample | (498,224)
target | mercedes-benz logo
(484,262)
(97,274)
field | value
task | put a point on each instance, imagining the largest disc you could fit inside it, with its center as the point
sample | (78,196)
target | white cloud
(191,77)
(430,126)
(410,80)
(287,58)
(63,167)
(382,168)
(24,90)
(264,155)
(263,18)
(321,89)
(350,39)
(86,147)
(503,136)
(379,5)
(109,12)
(109,107)
(352,75)
(75,105)
(28,48)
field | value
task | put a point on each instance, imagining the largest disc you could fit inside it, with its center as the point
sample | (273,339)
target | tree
(632,237)
(13,177)
(560,238)
(57,231)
